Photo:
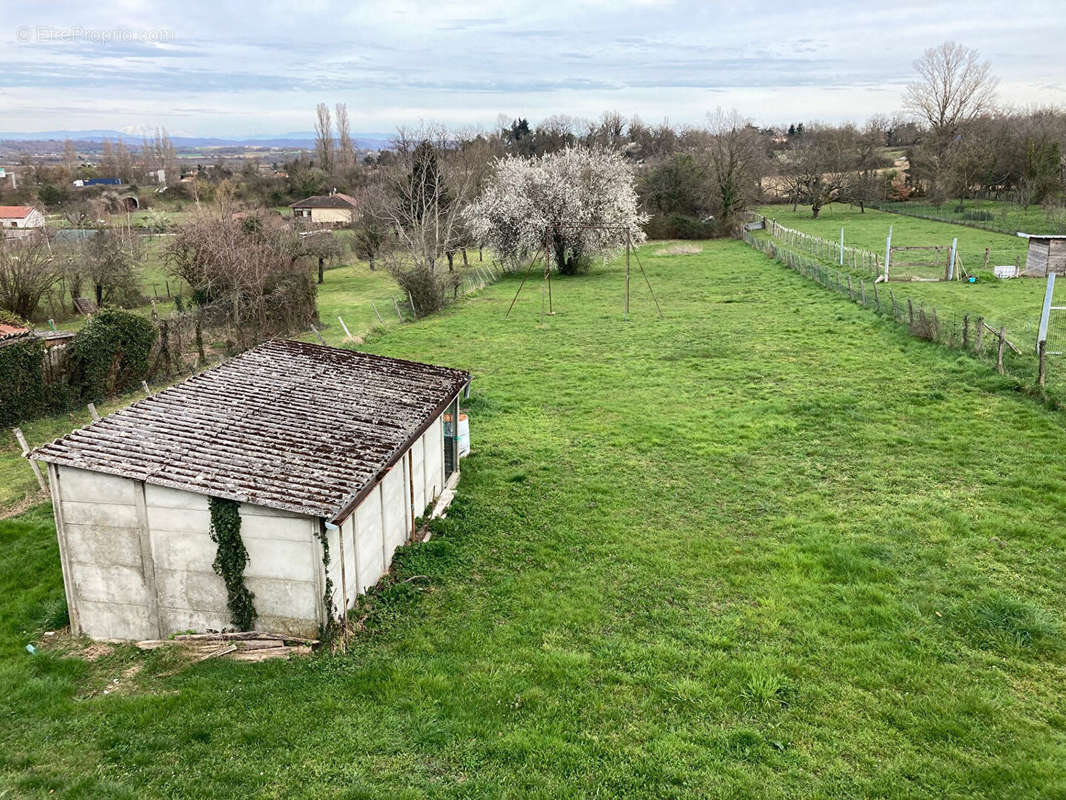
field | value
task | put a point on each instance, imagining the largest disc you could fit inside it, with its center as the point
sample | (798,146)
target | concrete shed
(1044,256)
(325,450)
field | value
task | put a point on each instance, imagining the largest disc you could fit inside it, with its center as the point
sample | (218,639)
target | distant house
(20,217)
(325,209)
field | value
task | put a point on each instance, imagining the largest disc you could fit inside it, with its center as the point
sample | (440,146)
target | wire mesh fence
(1000,216)
(1012,349)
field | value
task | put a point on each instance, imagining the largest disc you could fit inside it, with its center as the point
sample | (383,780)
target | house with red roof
(20,217)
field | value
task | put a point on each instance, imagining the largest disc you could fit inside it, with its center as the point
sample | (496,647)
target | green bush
(111,354)
(21,383)
(679,226)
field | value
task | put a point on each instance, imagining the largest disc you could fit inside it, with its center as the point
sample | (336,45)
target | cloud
(246,66)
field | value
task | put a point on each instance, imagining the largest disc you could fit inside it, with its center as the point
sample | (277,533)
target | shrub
(427,287)
(21,383)
(110,354)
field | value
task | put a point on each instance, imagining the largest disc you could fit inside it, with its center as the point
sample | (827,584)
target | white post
(841,245)
(888,251)
(951,264)
(1045,312)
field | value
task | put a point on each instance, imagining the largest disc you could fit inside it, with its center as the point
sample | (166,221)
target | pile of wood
(244,646)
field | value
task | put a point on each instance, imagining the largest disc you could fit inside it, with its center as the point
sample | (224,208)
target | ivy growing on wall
(327,596)
(230,560)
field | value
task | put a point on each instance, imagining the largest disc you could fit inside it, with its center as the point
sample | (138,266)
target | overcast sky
(230,68)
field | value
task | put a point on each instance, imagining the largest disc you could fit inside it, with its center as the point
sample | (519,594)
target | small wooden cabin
(1046,255)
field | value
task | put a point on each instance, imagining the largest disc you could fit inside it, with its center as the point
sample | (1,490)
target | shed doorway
(451,440)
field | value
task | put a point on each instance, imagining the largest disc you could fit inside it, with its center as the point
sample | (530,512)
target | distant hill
(368,141)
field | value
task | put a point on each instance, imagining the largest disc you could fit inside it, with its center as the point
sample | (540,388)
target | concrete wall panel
(280,559)
(115,621)
(163,497)
(82,485)
(110,515)
(106,583)
(368,522)
(183,619)
(182,590)
(285,598)
(194,552)
(100,544)
(433,441)
(396,495)
(182,520)
(259,526)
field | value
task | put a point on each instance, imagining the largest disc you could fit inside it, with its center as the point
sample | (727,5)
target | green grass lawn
(770,546)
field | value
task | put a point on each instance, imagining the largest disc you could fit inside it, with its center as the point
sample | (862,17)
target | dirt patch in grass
(679,250)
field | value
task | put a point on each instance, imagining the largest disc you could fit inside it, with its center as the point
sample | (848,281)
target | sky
(248,69)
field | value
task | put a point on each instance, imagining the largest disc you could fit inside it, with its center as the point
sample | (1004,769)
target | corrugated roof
(335,200)
(14,212)
(289,425)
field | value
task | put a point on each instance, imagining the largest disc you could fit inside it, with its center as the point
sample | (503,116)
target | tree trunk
(371,260)
(321,270)
(451,261)
(99,295)
(466,263)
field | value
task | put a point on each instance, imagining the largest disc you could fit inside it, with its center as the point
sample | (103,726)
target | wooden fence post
(862,290)
(1002,346)
(33,464)
(965,331)
(1042,375)
(910,311)
(892,297)
(980,337)
(877,300)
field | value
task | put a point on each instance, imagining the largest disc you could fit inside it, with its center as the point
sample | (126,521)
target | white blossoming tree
(577,203)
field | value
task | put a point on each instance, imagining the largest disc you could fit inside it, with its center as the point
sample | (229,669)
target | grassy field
(769,546)
(1014,304)
(998,215)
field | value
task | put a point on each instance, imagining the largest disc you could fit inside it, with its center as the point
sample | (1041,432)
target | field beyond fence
(1013,352)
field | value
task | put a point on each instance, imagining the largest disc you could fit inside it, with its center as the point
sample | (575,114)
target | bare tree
(124,162)
(324,138)
(345,150)
(425,190)
(70,158)
(821,164)
(735,159)
(27,271)
(250,276)
(952,89)
(111,257)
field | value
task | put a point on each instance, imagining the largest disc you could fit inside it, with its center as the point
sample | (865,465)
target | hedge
(110,355)
(21,380)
